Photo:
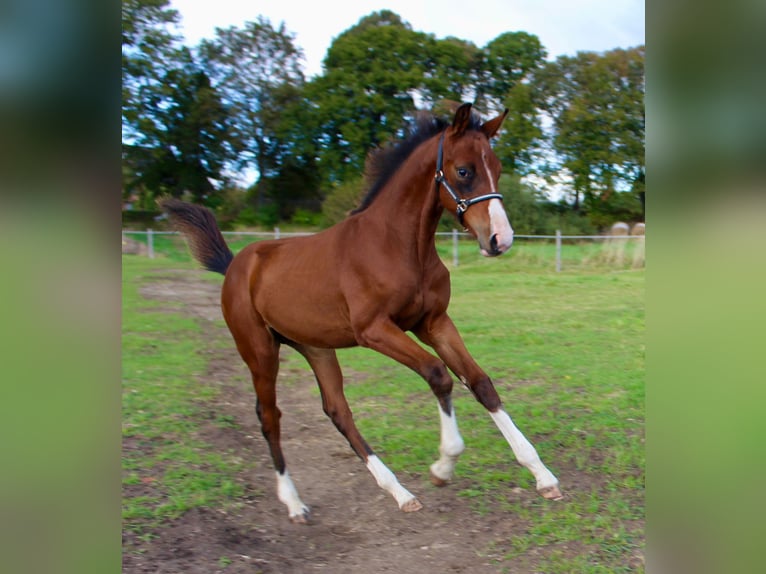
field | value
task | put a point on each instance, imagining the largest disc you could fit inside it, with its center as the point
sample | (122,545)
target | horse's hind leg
(325,365)
(260,351)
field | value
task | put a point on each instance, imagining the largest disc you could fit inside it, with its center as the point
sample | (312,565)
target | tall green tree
(508,60)
(149,48)
(189,141)
(371,72)
(451,69)
(596,105)
(177,134)
(506,76)
(257,70)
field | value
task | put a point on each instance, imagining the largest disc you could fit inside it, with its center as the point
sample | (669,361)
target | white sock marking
(450,447)
(387,480)
(523,450)
(288,495)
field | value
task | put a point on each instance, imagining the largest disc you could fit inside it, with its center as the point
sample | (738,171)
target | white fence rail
(617,243)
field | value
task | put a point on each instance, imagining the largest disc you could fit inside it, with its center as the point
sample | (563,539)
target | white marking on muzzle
(499,226)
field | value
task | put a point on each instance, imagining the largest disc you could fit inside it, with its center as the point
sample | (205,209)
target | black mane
(383,163)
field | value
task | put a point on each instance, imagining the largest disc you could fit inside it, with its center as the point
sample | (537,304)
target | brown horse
(366,281)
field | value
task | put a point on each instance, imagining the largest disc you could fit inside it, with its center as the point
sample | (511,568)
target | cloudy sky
(563,26)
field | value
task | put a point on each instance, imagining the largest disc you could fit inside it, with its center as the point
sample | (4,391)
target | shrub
(342,199)
(306,217)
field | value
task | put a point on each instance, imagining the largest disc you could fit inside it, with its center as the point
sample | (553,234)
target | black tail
(198,225)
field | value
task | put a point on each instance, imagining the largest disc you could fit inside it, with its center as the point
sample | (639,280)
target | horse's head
(467,173)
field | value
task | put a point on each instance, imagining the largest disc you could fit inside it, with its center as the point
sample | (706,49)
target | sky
(563,26)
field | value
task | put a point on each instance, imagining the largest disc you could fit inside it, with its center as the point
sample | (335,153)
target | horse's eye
(462,172)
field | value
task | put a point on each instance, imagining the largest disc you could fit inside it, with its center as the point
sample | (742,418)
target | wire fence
(552,252)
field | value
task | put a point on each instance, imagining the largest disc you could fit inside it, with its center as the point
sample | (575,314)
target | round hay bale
(613,251)
(619,228)
(638,229)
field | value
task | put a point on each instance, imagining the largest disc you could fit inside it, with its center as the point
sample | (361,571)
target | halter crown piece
(461,204)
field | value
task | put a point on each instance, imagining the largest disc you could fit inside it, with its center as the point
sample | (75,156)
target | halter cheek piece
(461,204)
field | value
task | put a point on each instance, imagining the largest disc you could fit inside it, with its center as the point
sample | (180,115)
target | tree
(505,78)
(148,49)
(596,104)
(518,142)
(187,138)
(257,71)
(450,70)
(371,72)
(507,61)
(176,132)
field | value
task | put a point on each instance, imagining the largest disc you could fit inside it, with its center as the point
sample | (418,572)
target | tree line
(193,118)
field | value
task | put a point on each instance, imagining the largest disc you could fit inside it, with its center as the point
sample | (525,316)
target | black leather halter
(461,204)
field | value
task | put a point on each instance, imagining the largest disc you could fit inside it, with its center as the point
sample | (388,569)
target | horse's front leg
(385,337)
(451,446)
(440,333)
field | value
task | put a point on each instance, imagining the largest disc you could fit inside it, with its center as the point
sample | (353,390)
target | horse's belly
(324,336)
(315,323)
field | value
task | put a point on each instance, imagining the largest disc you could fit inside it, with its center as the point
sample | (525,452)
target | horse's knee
(343,420)
(439,380)
(332,413)
(269,418)
(336,413)
(485,393)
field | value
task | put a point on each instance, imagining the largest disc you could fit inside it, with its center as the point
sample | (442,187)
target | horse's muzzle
(496,246)
(500,231)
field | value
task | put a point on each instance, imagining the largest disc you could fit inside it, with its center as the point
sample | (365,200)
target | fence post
(558,250)
(150,243)
(455,259)
(276,233)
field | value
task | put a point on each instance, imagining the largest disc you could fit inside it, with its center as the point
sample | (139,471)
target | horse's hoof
(412,505)
(550,492)
(302,518)
(436,481)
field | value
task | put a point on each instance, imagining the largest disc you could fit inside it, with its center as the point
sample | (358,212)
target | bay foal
(366,281)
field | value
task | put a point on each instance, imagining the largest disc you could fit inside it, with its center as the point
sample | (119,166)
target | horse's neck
(409,204)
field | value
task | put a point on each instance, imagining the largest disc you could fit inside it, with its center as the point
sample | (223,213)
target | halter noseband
(461,204)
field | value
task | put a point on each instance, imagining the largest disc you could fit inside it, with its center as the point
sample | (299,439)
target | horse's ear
(490,127)
(462,119)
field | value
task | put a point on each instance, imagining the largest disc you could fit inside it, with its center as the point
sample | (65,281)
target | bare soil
(355,526)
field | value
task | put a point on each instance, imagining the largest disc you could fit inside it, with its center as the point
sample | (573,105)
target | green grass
(566,352)
(162,405)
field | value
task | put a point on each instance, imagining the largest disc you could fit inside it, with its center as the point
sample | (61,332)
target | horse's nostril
(493,242)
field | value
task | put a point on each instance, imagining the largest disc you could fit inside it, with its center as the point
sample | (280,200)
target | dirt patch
(355,527)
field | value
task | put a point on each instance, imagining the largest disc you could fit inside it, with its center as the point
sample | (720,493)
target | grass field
(566,352)
(161,402)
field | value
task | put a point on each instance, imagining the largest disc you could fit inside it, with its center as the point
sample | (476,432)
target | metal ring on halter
(461,204)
